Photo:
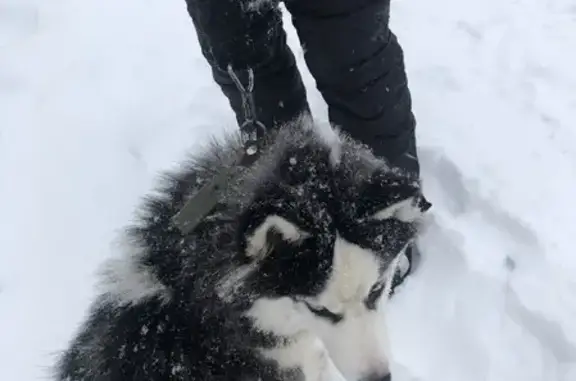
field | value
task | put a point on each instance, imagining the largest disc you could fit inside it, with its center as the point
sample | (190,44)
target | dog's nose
(378,377)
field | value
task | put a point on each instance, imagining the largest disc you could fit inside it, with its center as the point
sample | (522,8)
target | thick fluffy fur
(282,281)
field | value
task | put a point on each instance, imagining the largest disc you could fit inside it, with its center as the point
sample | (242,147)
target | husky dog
(284,280)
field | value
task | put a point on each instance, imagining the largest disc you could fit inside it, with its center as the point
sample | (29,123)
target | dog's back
(158,316)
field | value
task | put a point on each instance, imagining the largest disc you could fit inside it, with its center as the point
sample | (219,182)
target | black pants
(355,59)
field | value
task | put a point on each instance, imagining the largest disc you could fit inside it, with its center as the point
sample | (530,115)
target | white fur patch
(257,245)
(329,137)
(354,272)
(307,353)
(283,316)
(405,210)
(358,344)
(231,283)
(126,281)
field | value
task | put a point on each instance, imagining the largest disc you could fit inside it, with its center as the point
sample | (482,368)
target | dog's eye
(374,295)
(325,313)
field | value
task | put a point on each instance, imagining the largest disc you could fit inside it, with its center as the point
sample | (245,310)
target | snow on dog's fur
(283,280)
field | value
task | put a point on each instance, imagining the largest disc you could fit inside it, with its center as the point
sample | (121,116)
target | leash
(252,130)
(252,133)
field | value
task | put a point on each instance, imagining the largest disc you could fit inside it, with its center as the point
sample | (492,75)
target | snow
(98,96)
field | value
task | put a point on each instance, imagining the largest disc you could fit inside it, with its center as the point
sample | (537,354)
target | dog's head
(321,237)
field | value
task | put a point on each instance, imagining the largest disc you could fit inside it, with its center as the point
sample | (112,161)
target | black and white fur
(282,281)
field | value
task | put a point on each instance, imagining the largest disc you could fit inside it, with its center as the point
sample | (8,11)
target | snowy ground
(97,96)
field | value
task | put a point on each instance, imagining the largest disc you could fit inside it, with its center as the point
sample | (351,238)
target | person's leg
(230,32)
(358,66)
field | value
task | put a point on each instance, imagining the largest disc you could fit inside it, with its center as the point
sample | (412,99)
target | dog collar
(252,134)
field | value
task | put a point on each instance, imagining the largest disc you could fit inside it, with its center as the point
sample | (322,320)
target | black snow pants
(355,59)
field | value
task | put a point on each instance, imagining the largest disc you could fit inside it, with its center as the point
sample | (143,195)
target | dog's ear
(389,194)
(407,210)
(388,212)
(261,237)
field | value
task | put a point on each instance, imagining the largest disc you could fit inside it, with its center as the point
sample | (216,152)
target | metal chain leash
(252,130)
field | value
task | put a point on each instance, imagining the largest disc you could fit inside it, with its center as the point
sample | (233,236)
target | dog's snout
(378,377)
